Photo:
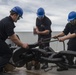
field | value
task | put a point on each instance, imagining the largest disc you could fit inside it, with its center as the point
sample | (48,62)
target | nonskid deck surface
(24,71)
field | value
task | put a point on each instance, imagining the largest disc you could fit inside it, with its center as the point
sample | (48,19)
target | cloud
(56,10)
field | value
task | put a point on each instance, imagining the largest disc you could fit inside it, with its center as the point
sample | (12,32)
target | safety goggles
(18,17)
(40,16)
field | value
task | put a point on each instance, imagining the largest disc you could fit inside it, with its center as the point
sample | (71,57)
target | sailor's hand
(55,37)
(61,39)
(25,45)
(34,31)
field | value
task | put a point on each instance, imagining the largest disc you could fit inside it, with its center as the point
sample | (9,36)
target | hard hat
(72,16)
(40,12)
(18,10)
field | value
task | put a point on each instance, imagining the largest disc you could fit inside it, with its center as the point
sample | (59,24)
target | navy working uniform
(44,24)
(72,42)
(70,32)
(6,29)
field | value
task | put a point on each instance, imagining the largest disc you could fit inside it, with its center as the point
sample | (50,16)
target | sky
(56,10)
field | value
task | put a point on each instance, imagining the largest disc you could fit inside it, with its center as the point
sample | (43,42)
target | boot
(45,65)
(62,69)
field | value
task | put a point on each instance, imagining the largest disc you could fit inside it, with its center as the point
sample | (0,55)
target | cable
(42,41)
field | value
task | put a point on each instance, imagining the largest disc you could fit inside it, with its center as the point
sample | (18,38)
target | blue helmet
(18,10)
(72,16)
(40,12)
